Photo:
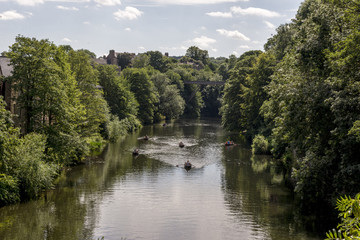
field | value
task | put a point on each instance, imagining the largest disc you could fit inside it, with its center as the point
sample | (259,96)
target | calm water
(229,195)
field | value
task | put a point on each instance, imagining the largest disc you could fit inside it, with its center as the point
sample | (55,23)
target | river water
(228,195)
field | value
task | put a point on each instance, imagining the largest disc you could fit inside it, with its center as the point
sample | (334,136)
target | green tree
(48,96)
(140,61)
(144,91)
(349,228)
(171,104)
(190,93)
(157,60)
(24,173)
(281,41)
(198,54)
(124,59)
(311,116)
(233,101)
(211,94)
(117,93)
(91,93)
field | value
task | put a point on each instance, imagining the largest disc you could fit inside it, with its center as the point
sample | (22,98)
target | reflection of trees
(70,211)
(253,188)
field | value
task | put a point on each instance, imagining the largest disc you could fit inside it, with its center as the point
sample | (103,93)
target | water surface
(228,195)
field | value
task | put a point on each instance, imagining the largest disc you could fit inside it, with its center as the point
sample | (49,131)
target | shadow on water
(228,195)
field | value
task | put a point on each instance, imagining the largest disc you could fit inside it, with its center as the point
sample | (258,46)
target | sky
(222,27)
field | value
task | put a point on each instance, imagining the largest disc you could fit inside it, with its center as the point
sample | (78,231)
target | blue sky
(223,27)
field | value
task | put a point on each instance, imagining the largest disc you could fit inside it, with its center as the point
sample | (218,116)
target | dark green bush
(260,145)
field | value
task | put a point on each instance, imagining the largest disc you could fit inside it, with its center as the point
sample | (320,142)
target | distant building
(112,57)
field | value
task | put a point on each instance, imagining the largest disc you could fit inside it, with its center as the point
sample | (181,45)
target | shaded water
(228,195)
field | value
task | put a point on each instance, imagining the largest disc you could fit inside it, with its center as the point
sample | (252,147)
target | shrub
(260,145)
(116,128)
(9,190)
(349,228)
(34,173)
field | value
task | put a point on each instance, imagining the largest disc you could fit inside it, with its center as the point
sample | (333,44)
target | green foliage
(116,128)
(260,145)
(48,96)
(9,190)
(198,54)
(141,61)
(22,160)
(86,76)
(313,105)
(190,93)
(29,167)
(171,104)
(210,94)
(349,228)
(124,59)
(144,91)
(237,96)
(117,93)
(280,43)
(157,60)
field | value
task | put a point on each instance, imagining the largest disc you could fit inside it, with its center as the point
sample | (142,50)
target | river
(229,194)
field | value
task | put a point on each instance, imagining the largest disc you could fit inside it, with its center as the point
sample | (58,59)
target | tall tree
(233,102)
(91,93)
(171,104)
(305,103)
(117,93)
(144,91)
(48,96)
(124,59)
(198,54)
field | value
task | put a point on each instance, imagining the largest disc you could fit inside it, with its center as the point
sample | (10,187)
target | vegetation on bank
(298,100)
(67,106)
(302,95)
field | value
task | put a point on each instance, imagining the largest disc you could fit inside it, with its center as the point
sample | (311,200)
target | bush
(34,173)
(116,128)
(260,145)
(96,143)
(9,190)
(349,228)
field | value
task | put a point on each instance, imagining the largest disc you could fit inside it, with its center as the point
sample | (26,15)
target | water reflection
(255,194)
(228,195)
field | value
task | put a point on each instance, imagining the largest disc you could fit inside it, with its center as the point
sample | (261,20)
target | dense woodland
(298,100)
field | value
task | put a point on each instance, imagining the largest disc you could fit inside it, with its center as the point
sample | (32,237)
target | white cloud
(29,2)
(244,47)
(86,23)
(108,2)
(254,11)
(233,34)
(67,8)
(220,14)
(11,15)
(203,41)
(195,2)
(269,25)
(141,48)
(66,40)
(128,29)
(214,50)
(35,2)
(129,13)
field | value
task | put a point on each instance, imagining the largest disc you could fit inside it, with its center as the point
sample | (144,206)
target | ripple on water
(166,149)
